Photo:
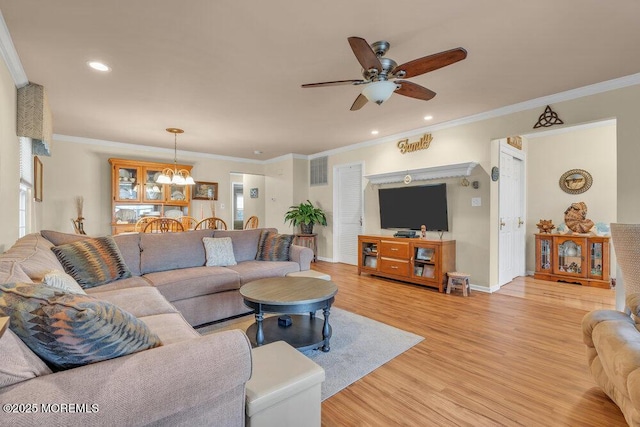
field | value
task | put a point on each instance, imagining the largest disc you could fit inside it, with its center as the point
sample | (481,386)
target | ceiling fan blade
(413,90)
(365,55)
(335,83)
(431,62)
(360,101)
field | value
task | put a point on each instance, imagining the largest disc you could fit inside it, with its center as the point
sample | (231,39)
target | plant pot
(306,228)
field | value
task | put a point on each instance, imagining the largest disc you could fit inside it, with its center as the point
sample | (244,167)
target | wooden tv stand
(414,260)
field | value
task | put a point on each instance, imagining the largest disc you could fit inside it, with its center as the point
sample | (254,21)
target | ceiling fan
(378,71)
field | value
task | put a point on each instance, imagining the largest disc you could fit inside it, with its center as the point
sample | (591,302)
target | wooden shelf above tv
(424,174)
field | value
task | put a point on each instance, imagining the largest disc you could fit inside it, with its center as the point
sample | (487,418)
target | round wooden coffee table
(289,295)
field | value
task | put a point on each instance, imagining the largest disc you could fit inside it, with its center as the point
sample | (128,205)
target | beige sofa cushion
(60,238)
(11,272)
(140,302)
(254,270)
(129,245)
(170,327)
(170,251)
(33,253)
(245,242)
(131,282)
(176,285)
(19,363)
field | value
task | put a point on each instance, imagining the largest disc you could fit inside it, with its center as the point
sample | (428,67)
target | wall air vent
(318,171)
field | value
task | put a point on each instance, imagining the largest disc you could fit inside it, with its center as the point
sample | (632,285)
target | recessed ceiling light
(374,132)
(428,117)
(97,65)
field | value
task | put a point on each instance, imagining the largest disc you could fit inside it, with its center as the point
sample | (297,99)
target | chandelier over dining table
(175,176)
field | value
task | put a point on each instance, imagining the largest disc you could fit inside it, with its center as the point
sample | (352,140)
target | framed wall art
(205,191)
(37,179)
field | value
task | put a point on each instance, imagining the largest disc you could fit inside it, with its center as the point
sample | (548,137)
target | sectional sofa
(189,379)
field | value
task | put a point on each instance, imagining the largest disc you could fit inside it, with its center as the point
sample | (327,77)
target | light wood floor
(513,358)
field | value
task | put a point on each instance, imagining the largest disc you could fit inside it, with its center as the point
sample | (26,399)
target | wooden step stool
(458,279)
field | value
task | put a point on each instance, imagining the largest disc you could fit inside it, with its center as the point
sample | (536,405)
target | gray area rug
(359,345)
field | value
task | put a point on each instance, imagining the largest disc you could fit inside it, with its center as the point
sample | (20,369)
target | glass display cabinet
(573,258)
(137,194)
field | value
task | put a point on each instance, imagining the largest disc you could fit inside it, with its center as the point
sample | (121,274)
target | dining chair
(252,222)
(163,225)
(188,222)
(142,222)
(212,223)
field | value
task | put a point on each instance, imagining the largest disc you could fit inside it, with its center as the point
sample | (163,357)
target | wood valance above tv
(424,174)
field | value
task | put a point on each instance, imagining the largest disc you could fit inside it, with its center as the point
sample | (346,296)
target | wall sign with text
(408,147)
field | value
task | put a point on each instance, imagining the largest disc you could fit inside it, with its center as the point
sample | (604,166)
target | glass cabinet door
(544,254)
(128,180)
(595,259)
(570,257)
(369,255)
(177,193)
(153,192)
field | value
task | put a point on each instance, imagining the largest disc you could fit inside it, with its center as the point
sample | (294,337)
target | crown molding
(424,174)
(149,148)
(570,128)
(10,56)
(606,86)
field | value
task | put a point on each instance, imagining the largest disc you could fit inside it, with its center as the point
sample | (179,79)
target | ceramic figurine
(423,231)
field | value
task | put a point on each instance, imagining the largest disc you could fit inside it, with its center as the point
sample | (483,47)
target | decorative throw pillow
(219,251)
(61,280)
(93,262)
(19,363)
(69,330)
(273,246)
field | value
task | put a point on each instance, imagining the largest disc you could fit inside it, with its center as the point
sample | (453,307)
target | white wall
(9,160)
(592,149)
(254,206)
(83,170)
(477,249)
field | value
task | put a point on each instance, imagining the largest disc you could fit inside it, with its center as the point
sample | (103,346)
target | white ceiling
(229,72)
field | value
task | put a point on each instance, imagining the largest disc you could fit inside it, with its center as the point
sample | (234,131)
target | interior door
(348,212)
(511,246)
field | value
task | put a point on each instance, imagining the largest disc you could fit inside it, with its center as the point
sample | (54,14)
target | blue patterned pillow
(68,330)
(273,246)
(92,262)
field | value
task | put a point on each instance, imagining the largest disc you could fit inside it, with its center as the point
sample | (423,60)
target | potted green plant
(305,215)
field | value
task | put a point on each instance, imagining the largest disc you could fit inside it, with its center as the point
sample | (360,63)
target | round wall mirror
(575,181)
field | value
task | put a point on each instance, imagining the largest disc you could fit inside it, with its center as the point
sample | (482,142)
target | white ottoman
(284,389)
(310,273)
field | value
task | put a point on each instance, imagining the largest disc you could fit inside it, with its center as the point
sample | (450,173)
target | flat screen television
(411,207)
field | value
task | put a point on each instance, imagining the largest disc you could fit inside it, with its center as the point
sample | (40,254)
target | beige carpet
(359,345)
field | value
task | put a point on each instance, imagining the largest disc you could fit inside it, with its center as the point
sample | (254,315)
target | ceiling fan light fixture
(379,91)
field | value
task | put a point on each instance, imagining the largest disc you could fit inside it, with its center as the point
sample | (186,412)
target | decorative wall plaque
(408,147)
(515,141)
(548,118)
(575,181)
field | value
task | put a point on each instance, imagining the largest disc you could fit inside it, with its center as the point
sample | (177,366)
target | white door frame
(336,206)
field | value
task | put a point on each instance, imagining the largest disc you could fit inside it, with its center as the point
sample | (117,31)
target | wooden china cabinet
(136,194)
(573,258)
